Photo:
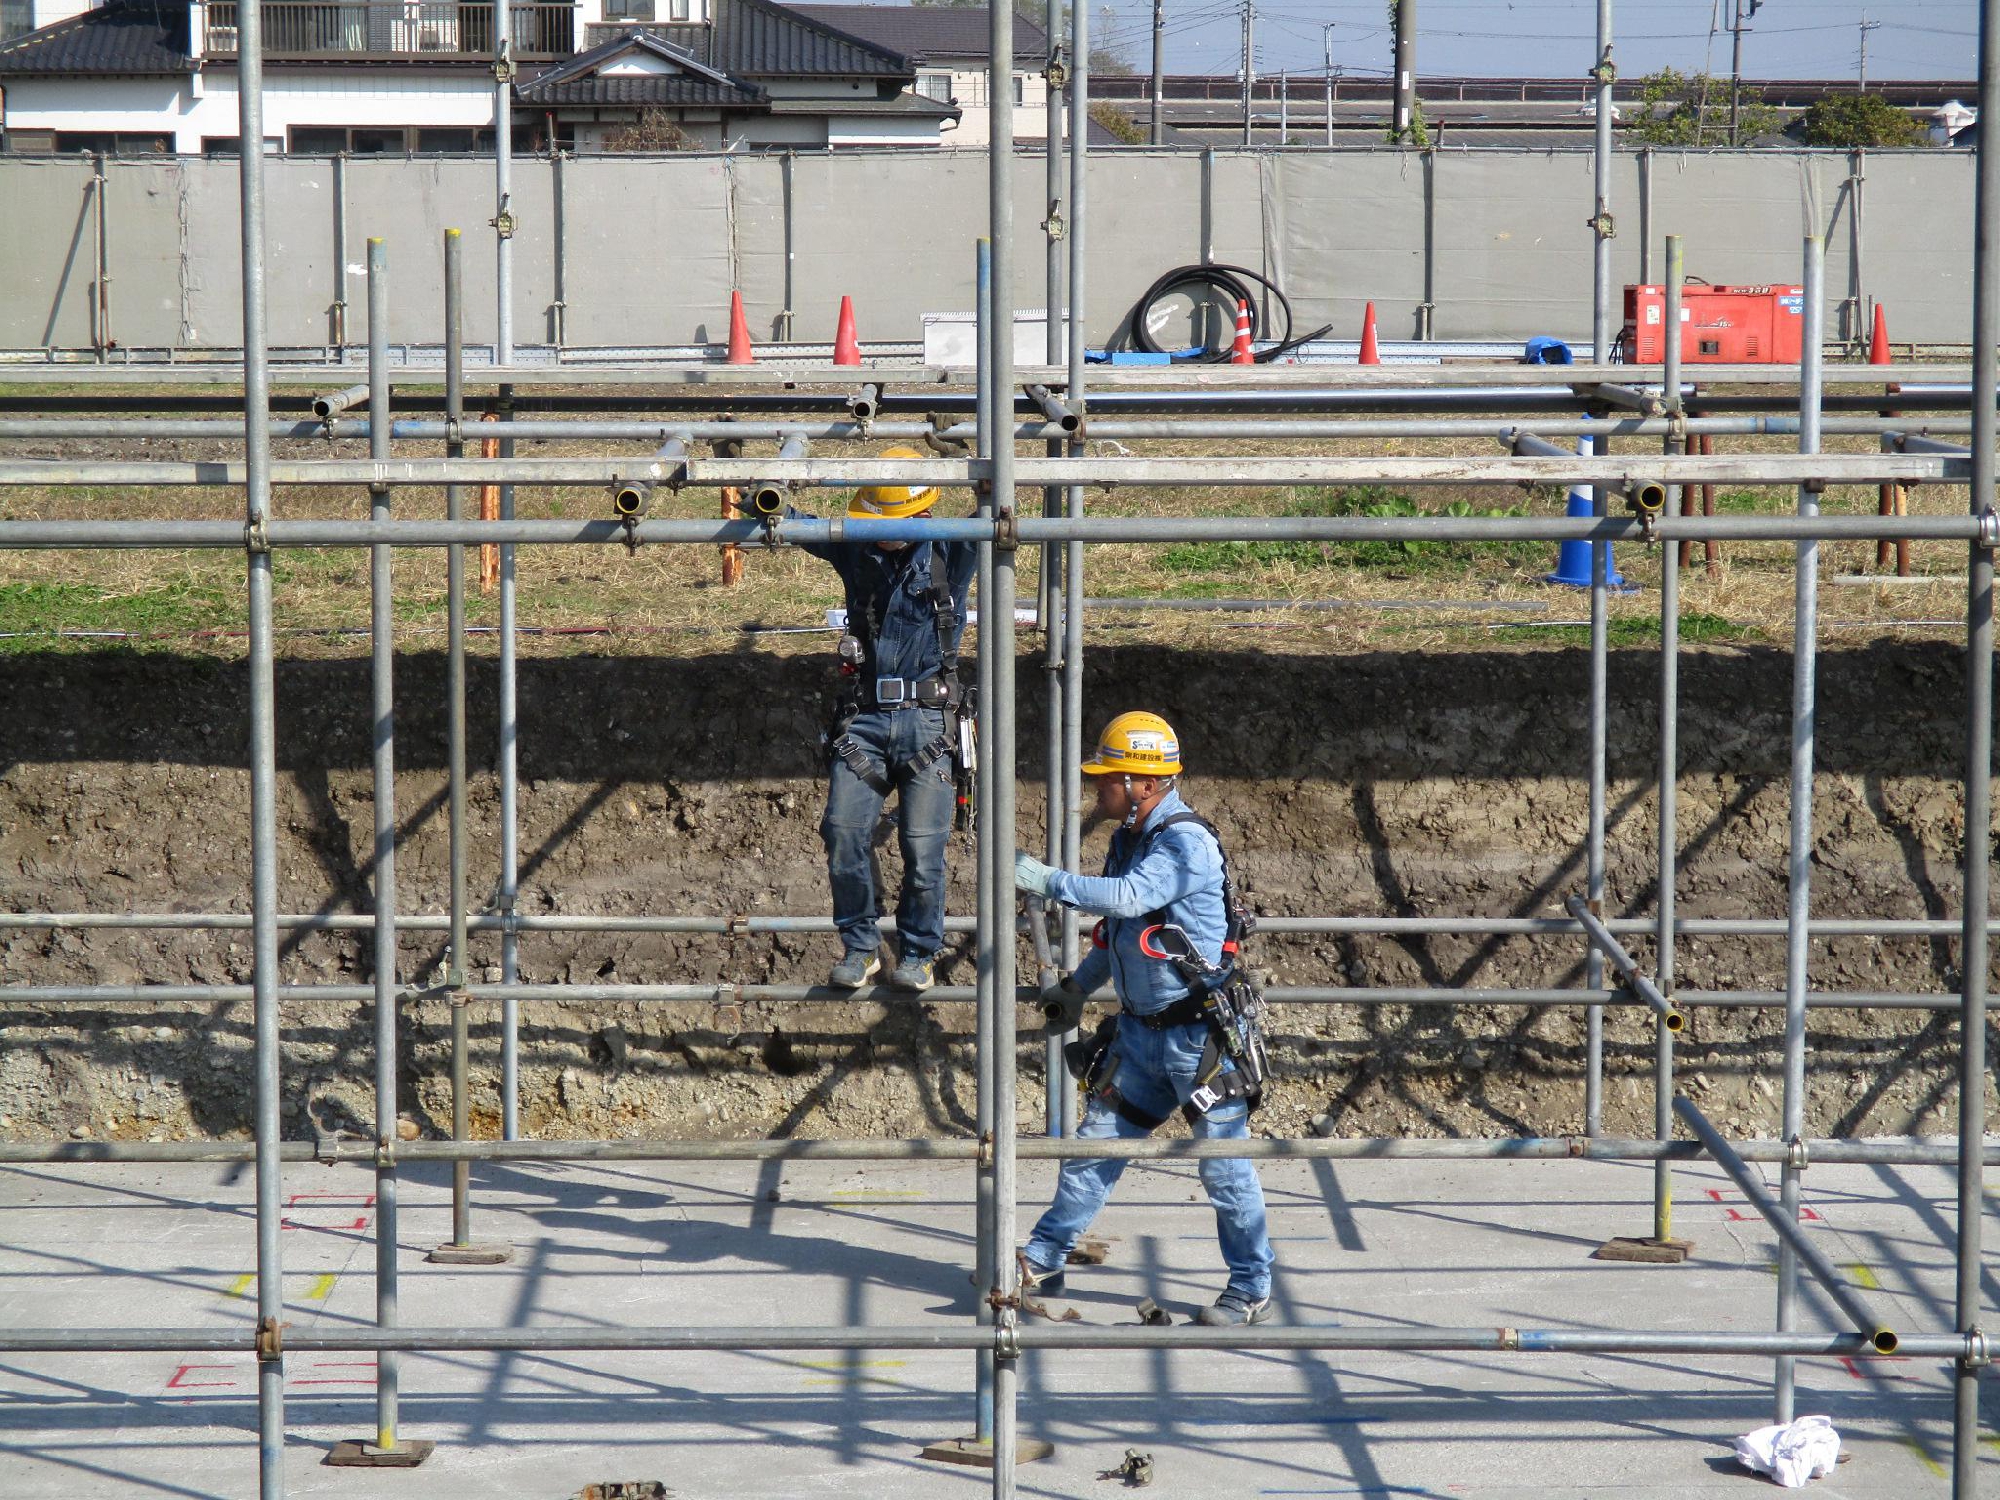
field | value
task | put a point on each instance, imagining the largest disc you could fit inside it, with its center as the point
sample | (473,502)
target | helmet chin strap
(1131,802)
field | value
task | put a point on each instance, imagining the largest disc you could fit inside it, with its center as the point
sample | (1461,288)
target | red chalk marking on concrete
(178,1382)
(1736,1215)
(363,1201)
(339,1364)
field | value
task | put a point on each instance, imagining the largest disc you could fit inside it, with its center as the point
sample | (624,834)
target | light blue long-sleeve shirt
(1177,870)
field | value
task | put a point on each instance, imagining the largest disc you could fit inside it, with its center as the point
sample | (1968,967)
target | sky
(1786,39)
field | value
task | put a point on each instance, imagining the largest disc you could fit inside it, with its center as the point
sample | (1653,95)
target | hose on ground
(1228,285)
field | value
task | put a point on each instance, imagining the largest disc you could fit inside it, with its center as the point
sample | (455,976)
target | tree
(1692,109)
(653,130)
(1852,120)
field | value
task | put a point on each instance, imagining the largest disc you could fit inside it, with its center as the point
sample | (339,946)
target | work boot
(914,975)
(1232,1310)
(856,967)
(1035,1282)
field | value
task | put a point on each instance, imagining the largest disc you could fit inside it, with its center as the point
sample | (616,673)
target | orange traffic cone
(739,333)
(1878,346)
(1240,353)
(1370,354)
(846,347)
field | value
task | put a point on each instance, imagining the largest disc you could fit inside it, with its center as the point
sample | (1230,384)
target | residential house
(373,76)
(950,49)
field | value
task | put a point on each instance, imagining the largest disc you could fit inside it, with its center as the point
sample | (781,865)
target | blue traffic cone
(1573,561)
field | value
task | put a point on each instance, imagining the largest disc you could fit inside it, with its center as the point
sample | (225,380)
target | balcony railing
(395,28)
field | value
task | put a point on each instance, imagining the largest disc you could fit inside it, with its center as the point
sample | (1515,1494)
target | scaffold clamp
(256,538)
(1603,223)
(1978,1350)
(1796,1155)
(1989,528)
(270,1339)
(1006,529)
(385,1153)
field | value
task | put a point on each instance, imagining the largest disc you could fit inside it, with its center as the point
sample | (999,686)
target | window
(223,145)
(318,140)
(1020,89)
(677,10)
(935,86)
(118,143)
(460,142)
(31,142)
(17,18)
(389,142)
(629,10)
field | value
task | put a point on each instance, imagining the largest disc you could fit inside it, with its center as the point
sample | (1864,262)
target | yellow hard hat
(891,502)
(1136,744)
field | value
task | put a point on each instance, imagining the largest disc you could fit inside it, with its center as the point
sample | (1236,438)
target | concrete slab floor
(1361,1243)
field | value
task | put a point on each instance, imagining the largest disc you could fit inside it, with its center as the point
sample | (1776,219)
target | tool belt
(1183,1012)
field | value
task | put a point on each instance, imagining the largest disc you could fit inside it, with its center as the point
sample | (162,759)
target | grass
(1364,500)
(31,611)
(1697,628)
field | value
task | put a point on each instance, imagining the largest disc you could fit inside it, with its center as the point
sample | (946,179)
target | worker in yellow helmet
(1187,1032)
(896,727)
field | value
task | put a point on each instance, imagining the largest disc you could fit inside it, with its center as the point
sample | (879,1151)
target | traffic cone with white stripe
(1240,354)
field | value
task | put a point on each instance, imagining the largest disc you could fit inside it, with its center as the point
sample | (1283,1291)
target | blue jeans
(896,742)
(1155,1074)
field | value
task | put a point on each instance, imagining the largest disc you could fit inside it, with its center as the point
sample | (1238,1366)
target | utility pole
(1159,72)
(1406,68)
(1249,62)
(1866,27)
(1285,108)
(1328,31)
(1742,10)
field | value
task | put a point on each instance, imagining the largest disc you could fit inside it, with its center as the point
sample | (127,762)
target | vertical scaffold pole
(382,625)
(1072,746)
(1798,909)
(999,618)
(263,764)
(1052,598)
(1975,945)
(338,317)
(1670,701)
(984,1261)
(503,186)
(459,1250)
(1600,562)
(509,888)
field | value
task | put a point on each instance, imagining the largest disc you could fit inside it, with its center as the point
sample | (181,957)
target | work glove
(1062,1007)
(1031,875)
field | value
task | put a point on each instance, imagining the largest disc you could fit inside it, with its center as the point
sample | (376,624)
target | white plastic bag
(1794,1453)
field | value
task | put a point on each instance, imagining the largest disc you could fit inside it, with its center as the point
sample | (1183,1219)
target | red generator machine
(1720,325)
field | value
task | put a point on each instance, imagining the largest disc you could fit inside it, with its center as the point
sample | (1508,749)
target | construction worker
(895,728)
(1165,877)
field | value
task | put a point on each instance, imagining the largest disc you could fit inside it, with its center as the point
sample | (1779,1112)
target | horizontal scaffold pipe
(1006,1339)
(1103,429)
(1566,469)
(1910,1151)
(1267,924)
(802,994)
(212,535)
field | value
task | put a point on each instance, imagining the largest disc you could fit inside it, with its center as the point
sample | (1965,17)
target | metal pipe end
(1070,423)
(766,498)
(1674,1020)
(631,500)
(1649,498)
(1885,1341)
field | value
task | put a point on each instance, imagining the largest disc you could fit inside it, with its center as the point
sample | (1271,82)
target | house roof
(691,82)
(925,33)
(759,39)
(142,39)
(909,105)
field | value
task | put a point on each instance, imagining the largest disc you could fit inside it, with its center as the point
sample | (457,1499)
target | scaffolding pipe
(767,497)
(1055,412)
(764,994)
(1975,951)
(984,1259)
(1073,563)
(763,1336)
(1670,709)
(1784,1219)
(1646,497)
(382,737)
(455,961)
(632,498)
(507,889)
(1626,965)
(325,407)
(959,473)
(115,535)
(333,1150)
(1805,693)
(263,748)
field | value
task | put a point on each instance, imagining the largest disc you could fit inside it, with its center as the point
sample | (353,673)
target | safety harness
(1221,994)
(858,694)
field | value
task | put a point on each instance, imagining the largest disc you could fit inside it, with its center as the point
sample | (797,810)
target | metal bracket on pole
(1978,1350)
(256,539)
(454,429)
(1006,529)
(270,1340)
(984,1157)
(503,224)
(1056,74)
(1055,226)
(1605,73)
(1007,1338)
(385,1154)
(1796,1155)
(1989,529)
(1603,223)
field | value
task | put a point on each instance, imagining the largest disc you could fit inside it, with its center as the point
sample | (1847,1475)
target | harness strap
(857,761)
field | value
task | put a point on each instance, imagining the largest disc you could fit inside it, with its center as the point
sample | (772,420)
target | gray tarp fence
(645,250)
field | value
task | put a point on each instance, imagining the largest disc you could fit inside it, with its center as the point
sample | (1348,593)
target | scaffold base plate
(978,1454)
(1644,1251)
(356,1453)
(470,1255)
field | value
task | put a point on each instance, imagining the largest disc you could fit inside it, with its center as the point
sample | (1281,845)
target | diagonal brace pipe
(1628,969)
(1643,497)
(1851,1302)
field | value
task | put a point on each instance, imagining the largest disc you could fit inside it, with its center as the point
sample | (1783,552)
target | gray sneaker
(1232,1310)
(855,969)
(914,975)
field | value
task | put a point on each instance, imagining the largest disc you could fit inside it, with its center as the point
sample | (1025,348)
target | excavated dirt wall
(1374,783)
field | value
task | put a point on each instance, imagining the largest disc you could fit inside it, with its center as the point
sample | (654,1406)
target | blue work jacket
(1177,870)
(892,591)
